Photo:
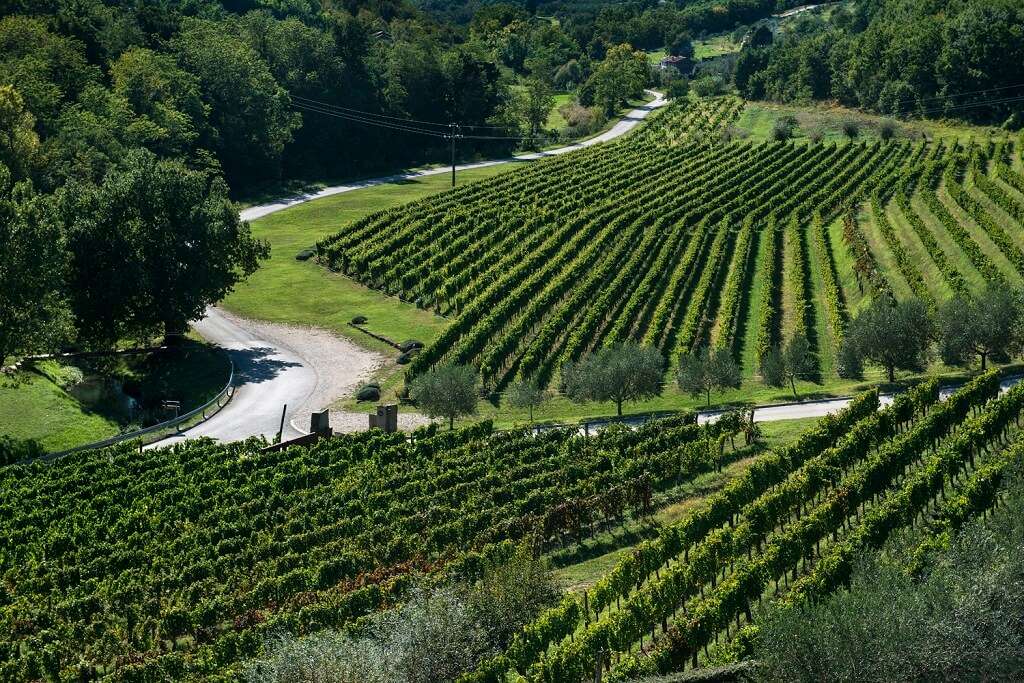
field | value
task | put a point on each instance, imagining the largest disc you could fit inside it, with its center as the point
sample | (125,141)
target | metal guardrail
(175,424)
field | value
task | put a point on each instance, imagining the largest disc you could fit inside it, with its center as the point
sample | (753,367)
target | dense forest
(128,126)
(957,58)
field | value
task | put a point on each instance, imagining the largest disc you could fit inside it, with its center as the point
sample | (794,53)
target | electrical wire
(972,105)
(408,129)
(407,120)
(368,122)
(356,112)
(959,94)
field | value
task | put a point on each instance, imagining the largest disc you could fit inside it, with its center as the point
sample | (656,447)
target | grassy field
(555,119)
(63,405)
(285,290)
(758,120)
(33,406)
(712,46)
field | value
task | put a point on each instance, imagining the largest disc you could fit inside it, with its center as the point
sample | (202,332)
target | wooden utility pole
(452,134)
(280,431)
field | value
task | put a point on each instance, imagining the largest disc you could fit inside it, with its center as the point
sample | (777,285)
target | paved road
(782,411)
(268,374)
(792,411)
(625,124)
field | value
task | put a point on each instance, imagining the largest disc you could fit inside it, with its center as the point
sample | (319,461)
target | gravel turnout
(305,368)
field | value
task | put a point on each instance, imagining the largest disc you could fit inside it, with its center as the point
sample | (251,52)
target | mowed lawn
(34,407)
(285,290)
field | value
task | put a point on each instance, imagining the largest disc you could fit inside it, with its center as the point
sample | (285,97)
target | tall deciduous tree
(151,247)
(47,69)
(705,370)
(165,98)
(249,114)
(626,372)
(34,315)
(448,391)
(896,336)
(534,105)
(18,139)
(985,326)
(681,46)
(623,74)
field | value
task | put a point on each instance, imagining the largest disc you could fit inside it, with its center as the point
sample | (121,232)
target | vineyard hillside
(193,562)
(686,235)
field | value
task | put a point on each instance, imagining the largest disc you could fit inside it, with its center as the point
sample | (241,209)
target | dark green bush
(368,393)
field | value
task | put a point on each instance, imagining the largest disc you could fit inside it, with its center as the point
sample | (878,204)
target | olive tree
(787,363)
(705,370)
(985,326)
(624,372)
(526,394)
(448,391)
(896,336)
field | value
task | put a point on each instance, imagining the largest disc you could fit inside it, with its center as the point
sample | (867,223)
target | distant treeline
(959,58)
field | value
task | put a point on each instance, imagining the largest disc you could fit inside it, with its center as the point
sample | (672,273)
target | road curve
(624,125)
(268,376)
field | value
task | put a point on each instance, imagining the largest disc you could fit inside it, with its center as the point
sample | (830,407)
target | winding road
(275,367)
(268,376)
(627,123)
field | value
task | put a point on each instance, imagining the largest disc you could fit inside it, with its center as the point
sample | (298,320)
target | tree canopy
(898,57)
(786,363)
(624,372)
(896,336)
(705,370)
(448,391)
(150,247)
(34,315)
(984,326)
(526,394)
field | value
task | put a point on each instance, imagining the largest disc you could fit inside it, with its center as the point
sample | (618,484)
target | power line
(406,120)
(959,94)
(973,105)
(358,112)
(408,128)
(368,122)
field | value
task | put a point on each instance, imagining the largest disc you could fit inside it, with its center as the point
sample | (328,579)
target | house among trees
(684,65)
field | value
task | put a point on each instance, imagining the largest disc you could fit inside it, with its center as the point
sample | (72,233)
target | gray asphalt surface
(267,377)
